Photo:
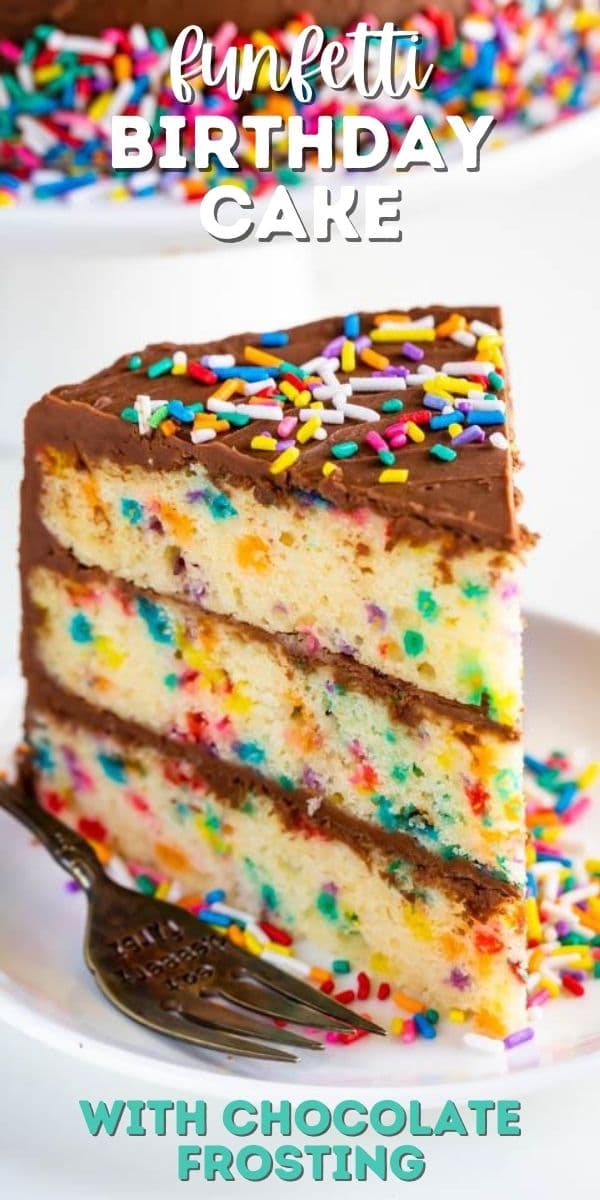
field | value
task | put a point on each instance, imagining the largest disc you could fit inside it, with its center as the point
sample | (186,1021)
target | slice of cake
(272,635)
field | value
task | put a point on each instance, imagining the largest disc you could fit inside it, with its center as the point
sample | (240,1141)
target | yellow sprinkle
(589,775)
(179,369)
(371,358)
(47,74)
(260,358)
(308,430)
(489,341)
(454,429)
(285,460)
(592,865)
(457,1015)
(397,1026)
(6,199)
(288,390)
(252,943)
(402,335)
(263,442)
(99,107)
(414,432)
(434,388)
(328,468)
(303,400)
(408,1002)
(393,475)
(460,387)
(348,357)
(532,917)
(277,949)
(162,890)
(316,404)
(551,986)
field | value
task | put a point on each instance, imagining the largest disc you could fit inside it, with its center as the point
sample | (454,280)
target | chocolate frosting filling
(479,891)
(460,503)
(406,703)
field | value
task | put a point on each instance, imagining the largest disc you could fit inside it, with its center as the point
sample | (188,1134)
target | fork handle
(67,847)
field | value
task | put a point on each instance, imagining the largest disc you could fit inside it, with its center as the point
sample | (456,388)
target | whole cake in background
(67,67)
(272,636)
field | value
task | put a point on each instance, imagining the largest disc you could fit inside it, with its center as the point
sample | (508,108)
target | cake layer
(163,812)
(450,625)
(379,751)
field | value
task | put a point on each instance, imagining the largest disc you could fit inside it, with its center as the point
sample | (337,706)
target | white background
(526,234)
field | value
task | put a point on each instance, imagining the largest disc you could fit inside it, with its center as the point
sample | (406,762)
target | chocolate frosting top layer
(19,17)
(471,497)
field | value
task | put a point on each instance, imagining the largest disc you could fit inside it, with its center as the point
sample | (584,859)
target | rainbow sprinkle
(528,64)
(309,402)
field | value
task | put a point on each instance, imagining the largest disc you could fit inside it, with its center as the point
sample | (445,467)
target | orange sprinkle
(407,1002)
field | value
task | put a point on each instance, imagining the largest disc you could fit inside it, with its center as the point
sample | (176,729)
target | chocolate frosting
(471,499)
(479,891)
(19,17)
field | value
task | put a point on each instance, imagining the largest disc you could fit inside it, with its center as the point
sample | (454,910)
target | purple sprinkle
(332,888)
(581,975)
(285,444)
(464,405)
(362,343)
(72,886)
(435,402)
(415,353)
(333,348)
(311,779)
(463,439)
(520,1036)
(459,979)
(396,372)
(562,928)
(375,613)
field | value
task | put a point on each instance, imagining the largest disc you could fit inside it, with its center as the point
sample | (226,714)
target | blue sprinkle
(131,510)
(425,1027)
(156,619)
(43,757)
(567,795)
(216,896)
(352,325)
(114,767)
(249,752)
(535,764)
(488,416)
(446,419)
(214,918)
(532,888)
(81,629)
(250,374)
(554,858)
(180,412)
(274,339)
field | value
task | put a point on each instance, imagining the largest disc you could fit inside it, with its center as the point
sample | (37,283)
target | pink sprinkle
(287,426)
(542,996)
(332,1037)
(576,810)
(409,1032)
(375,441)
(399,440)
(397,427)
(10,50)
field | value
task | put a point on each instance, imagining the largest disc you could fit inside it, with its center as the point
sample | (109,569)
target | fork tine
(304,993)
(270,1004)
(209,1012)
(206,1038)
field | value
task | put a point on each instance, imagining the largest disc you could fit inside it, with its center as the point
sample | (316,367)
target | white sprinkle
(416,380)
(419,323)
(256,932)
(383,383)
(237,914)
(286,962)
(119,873)
(329,416)
(487,1044)
(174,893)
(361,414)
(180,358)
(319,435)
(313,805)
(217,360)
(583,893)
(202,435)
(216,405)
(482,329)
(258,385)
(478,400)
(35,135)
(498,441)
(97,47)
(468,368)
(328,370)
(118,102)
(138,37)
(314,365)
(144,408)
(464,338)
(264,412)
(424,370)
(328,391)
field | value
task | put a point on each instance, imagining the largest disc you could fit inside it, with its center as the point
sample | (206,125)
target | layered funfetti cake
(68,66)
(272,635)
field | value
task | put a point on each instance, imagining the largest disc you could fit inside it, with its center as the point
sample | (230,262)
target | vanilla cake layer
(443,617)
(307,724)
(166,814)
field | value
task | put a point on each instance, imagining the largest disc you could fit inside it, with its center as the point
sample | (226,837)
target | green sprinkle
(161,367)
(159,414)
(392,405)
(129,414)
(495,381)
(414,642)
(432,1015)
(344,450)
(171,681)
(146,885)
(597,970)
(386,457)
(134,363)
(341,966)
(427,606)
(474,591)
(444,453)
(269,896)
(196,408)
(238,419)
(327,905)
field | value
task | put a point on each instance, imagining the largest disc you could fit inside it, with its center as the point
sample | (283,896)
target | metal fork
(162,967)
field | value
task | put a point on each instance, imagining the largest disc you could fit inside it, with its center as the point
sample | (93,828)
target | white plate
(46,991)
